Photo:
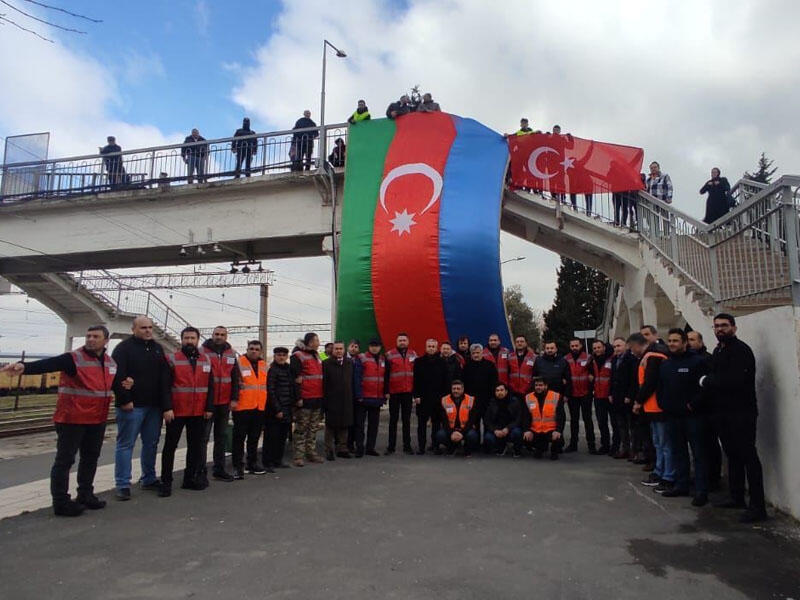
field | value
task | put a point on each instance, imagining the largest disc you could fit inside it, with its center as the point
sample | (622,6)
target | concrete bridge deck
(400,527)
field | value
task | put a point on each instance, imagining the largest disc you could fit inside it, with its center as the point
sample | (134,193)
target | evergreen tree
(764,171)
(579,302)
(521,317)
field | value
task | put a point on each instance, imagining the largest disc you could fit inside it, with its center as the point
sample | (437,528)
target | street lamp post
(323,143)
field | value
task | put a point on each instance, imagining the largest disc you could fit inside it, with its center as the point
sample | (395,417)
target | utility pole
(262,318)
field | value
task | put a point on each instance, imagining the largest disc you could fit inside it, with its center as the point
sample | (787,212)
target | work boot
(153,486)
(753,516)
(91,501)
(68,508)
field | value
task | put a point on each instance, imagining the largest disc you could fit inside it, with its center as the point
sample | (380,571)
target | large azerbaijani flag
(420,245)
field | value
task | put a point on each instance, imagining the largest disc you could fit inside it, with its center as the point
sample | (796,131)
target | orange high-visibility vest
(253,389)
(651,404)
(543,415)
(84,399)
(461,411)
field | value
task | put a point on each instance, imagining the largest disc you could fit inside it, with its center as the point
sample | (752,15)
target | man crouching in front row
(544,420)
(460,419)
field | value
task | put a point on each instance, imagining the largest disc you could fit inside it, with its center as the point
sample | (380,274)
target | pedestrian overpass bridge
(63,216)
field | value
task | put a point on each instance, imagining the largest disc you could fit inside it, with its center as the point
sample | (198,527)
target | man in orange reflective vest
(84,395)
(307,370)
(520,367)
(498,356)
(601,385)
(580,397)
(399,378)
(370,396)
(543,420)
(459,420)
(248,411)
(189,403)
(225,370)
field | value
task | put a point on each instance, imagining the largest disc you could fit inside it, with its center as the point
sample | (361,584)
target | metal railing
(212,160)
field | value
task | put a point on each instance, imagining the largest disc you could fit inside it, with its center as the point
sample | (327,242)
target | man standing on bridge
(303,142)
(244,149)
(84,395)
(139,408)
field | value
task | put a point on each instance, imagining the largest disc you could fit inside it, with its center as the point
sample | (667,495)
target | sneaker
(238,473)
(751,516)
(664,486)
(700,500)
(222,476)
(123,494)
(372,453)
(651,480)
(165,491)
(68,508)
(256,470)
(153,486)
(675,492)
(91,502)
(298,462)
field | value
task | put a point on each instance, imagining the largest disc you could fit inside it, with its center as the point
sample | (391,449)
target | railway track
(30,420)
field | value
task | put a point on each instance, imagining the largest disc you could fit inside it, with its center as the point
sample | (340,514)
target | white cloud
(202,16)
(139,68)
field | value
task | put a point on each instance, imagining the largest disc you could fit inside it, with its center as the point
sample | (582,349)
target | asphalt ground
(405,527)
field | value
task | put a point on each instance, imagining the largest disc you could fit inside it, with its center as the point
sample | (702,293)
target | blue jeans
(144,421)
(492,443)
(472,440)
(662,441)
(689,430)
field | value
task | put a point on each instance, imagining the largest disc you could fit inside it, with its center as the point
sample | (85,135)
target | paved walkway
(405,527)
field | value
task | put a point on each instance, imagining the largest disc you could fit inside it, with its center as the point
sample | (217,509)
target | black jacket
(717,204)
(400,109)
(731,380)
(249,145)
(679,393)
(453,365)
(430,379)
(144,361)
(337,383)
(281,392)
(195,148)
(503,413)
(623,377)
(479,377)
(303,123)
(555,371)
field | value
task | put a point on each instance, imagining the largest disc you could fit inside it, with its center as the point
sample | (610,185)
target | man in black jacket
(552,367)
(503,422)
(113,162)
(710,436)
(400,108)
(430,384)
(337,383)
(139,409)
(194,154)
(244,149)
(623,371)
(453,362)
(281,398)
(731,383)
(479,377)
(680,397)
(303,142)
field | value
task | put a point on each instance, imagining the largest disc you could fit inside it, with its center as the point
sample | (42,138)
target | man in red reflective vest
(370,396)
(460,419)
(497,355)
(84,395)
(543,419)
(225,371)
(399,378)
(580,397)
(189,403)
(520,367)
(601,382)
(307,370)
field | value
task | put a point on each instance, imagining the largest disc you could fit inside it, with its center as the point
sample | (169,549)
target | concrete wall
(774,336)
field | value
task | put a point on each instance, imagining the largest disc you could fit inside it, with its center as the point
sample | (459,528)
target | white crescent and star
(402,222)
(567,163)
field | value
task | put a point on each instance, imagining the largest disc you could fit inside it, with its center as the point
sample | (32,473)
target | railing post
(672,232)
(715,290)
(147,305)
(790,217)
(152,165)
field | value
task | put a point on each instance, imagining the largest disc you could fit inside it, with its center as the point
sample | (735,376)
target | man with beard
(399,379)
(479,377)
(579,399)
(498,355)
(430,384)
(520,367)
(453,362)
(503,422)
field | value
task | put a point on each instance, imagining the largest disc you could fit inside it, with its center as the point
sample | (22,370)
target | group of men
(661,402)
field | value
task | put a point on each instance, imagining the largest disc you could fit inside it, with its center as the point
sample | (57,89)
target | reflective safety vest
(651,404)
(310,375)
(524,132)
(372,376)
(253,388)
(543,415)
(501,363)
(360,116)
(84,399)
(520,375)
(221,368)
(401,371)
(189,384)
(602,378)
(461,411)
(579,371)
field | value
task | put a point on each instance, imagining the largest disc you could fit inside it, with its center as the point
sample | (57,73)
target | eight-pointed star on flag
(402,222)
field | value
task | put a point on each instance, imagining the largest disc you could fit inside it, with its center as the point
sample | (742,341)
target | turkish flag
(565,164)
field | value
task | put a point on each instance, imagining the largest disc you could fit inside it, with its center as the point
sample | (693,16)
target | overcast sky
(696,84)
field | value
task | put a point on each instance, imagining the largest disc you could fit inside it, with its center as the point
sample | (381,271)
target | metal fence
(198,162)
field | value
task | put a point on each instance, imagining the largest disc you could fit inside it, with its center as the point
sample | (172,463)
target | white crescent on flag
(534,170)
(412,169)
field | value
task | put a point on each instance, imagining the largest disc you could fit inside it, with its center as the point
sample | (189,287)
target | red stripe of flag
(405,243)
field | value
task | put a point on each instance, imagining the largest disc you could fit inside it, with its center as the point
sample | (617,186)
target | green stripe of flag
(367,144)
